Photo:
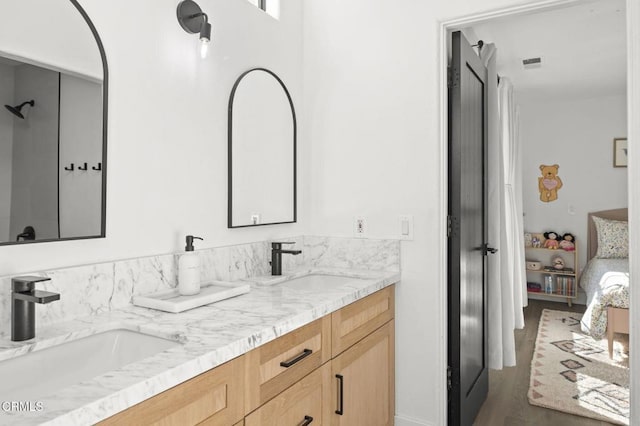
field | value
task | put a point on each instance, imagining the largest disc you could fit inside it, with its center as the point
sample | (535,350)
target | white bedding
(606,282)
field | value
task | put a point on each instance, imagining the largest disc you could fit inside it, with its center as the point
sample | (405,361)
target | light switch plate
(405,227)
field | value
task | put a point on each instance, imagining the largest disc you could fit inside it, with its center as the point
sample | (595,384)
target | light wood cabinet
(337,370)
(212,398)
(307,402)
(273,367)
(359,319)
(364,377)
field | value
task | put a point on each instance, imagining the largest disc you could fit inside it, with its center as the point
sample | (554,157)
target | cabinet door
(363,391)
(307,402)
(273,367)
(214,397)
(353,322)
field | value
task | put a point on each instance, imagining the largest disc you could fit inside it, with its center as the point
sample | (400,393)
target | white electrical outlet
(255,218)
(405,227)
(359,226)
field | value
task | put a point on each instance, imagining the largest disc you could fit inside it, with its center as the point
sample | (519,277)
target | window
(272,7)
(261,4)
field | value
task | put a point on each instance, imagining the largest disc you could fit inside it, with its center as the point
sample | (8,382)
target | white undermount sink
(318,281)
(45,371)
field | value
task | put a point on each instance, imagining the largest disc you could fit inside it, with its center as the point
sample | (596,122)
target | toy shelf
(559,284)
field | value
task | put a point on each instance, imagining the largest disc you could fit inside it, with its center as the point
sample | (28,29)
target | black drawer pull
(307,421)
(340,378)
(305,353)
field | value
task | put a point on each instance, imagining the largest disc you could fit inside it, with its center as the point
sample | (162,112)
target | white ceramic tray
(172,301)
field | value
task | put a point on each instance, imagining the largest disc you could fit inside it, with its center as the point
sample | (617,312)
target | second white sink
(318,282)
(45,371)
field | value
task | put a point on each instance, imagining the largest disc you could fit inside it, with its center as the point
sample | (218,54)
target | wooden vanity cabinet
(337,370)
(355,388)
(275,366)
(212,398)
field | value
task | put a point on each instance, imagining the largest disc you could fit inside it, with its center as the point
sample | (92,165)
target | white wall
(167,153)
(6,148)
(576,134)
(372,115)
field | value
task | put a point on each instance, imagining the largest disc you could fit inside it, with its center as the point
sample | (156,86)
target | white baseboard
(407,421)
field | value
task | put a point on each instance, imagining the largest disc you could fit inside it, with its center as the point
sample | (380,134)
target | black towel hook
(97,168)
(70,168)
(84,167)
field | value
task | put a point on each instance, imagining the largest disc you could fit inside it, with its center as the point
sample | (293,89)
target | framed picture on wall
(620,152)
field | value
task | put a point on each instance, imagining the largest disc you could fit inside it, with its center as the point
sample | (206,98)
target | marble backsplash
(99,288)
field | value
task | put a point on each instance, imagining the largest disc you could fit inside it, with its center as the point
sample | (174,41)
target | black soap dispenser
(189,269)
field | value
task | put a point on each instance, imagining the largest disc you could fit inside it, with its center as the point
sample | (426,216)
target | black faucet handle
(277,245)
(37,296)
(27,282)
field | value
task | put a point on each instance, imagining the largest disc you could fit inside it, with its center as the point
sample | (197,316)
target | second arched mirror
(262,151)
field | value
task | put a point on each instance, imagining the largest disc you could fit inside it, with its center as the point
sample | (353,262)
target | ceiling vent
(532,63)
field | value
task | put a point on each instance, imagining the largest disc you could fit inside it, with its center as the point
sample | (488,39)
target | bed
(606,280)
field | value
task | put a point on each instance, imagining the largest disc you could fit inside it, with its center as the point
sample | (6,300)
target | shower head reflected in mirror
(17,110)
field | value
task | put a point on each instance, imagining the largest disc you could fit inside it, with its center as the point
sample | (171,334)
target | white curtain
(507,280)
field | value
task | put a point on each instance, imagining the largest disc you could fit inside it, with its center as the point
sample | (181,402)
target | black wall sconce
(194,21)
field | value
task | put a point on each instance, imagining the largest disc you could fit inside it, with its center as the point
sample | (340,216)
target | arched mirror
(262,151)
(53,113)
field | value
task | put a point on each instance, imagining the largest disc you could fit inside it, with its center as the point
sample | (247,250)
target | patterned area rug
(572,372)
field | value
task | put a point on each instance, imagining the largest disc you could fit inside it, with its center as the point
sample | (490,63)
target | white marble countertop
(209,336)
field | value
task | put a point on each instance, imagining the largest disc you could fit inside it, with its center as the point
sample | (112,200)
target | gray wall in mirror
(53,158)
(262,151)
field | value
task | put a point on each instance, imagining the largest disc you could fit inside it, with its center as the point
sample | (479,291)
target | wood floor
(507,403)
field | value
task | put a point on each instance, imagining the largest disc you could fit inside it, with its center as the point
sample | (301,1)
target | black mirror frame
(230,145)
(105,110)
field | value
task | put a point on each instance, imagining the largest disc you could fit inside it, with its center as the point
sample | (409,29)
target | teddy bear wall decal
(549,183)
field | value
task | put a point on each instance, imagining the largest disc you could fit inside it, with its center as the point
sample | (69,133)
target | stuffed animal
(549,183)
(567,242)
(558,262)
(535,242)
(551,241)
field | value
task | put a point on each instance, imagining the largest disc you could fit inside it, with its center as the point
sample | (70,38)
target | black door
(467,317)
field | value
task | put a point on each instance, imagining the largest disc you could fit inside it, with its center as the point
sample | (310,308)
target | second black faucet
(276,257)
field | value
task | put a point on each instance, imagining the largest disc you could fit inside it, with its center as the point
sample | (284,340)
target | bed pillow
(613,238)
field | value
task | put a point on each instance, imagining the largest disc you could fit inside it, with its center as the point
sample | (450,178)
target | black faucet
(24,296)
(276,257)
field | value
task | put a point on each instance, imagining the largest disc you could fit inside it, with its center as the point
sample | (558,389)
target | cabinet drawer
(355,321)
(307,402)
(274,367)
(214,397)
